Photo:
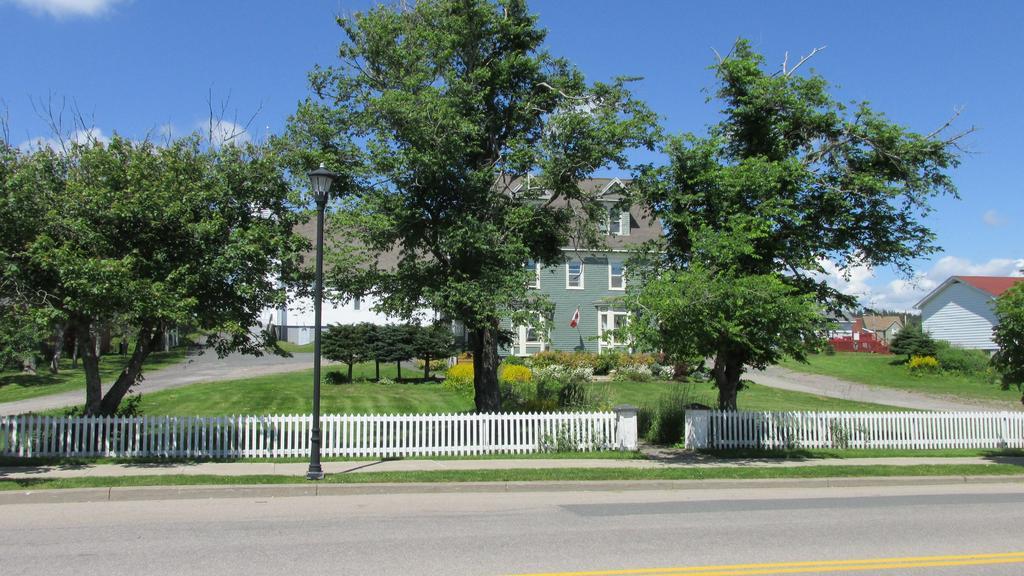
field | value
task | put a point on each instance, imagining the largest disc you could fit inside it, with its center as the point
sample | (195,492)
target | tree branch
(790,71)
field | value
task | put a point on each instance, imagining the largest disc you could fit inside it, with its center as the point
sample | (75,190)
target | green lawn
(753,397)
(291,393)
(295,348)
(20,386)
(887,371)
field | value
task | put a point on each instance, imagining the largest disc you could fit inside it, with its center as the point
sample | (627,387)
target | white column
(696,434)
(626,436)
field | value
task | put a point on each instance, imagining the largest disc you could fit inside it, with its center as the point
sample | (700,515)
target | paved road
(971,528)
(197,368)
(778,377)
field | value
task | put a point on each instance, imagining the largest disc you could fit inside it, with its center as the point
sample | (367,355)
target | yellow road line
(812,566)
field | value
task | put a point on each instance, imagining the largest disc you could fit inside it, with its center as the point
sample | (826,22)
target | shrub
(830,350)
(923,365)
(664,422)
(662,371)
(514,361)
(961,360)
(607,361)
(633,372)
(912,341)
(459,378)
(570,359)
(335,378)
(386,382)
(512,374)
(563,373)
(436,364)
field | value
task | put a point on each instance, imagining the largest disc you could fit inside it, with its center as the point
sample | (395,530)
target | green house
(589,281)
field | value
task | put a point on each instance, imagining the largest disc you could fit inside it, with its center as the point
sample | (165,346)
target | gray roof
(642,226)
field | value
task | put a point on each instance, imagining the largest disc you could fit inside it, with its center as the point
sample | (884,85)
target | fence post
(626,435)
(696,429)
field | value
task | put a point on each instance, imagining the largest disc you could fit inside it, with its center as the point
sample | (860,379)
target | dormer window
(616,222)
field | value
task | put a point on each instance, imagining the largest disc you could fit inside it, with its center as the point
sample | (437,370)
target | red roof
(994,285)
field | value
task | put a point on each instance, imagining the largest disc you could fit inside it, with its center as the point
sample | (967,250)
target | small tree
(344,343)
(433,342)
(150,236)
(397,344)
(1009,336)
(913,341)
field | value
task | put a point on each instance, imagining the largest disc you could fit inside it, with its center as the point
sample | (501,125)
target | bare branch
(563,94)
(957,110)
(802,60)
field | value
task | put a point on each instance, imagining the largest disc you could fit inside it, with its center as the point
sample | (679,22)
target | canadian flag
(575,318)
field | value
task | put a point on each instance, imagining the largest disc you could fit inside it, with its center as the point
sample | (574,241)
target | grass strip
(818,454)
(531,475)
(71,461)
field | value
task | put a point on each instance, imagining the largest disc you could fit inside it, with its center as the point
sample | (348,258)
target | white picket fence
(855,430)
(378,436)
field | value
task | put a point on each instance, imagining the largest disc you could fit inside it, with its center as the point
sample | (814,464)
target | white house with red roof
(960,310)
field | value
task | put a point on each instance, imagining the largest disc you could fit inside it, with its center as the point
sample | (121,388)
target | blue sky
(142,67)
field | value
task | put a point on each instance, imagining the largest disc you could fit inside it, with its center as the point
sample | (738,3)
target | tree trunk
(727,372)
(376,365)
(91,365)
(58,348)
(28,363)
(132,373)
(74,351)
(485,369)
(426,368)
(350,372)
(399,366)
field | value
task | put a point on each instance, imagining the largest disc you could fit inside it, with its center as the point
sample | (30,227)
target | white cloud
(66,8)
(78,136)
(902,294)
(853,282)
(993,218)
(224,132)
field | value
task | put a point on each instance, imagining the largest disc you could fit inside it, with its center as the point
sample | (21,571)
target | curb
(205,492)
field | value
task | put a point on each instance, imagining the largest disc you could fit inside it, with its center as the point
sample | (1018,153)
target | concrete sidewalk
(298,469)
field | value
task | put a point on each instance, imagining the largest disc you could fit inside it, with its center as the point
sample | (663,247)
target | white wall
(299,312)
(962,316)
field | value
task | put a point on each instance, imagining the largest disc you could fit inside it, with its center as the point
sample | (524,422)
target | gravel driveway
(778,377)
(197,368)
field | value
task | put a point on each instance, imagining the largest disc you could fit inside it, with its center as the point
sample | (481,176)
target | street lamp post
(320,185)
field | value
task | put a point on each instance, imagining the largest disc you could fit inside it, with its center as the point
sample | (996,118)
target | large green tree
(453,103)
(789,179)
(1009,336)
(150,237)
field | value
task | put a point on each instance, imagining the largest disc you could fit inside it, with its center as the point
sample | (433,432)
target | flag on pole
(575,318)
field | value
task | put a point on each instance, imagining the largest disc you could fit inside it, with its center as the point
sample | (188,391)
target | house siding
(962,316)
(595,291)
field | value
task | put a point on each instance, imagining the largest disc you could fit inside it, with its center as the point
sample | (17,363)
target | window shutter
(625,224)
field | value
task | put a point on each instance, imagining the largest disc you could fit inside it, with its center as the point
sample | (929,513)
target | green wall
(595,290)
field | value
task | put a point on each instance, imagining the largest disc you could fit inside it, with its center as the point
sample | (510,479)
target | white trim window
(574,274)
(616,276)
(531,336)
(535,267)
(614,221)
(607,321)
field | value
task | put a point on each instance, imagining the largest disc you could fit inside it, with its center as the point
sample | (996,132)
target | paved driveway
(778,377)
(198,368)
